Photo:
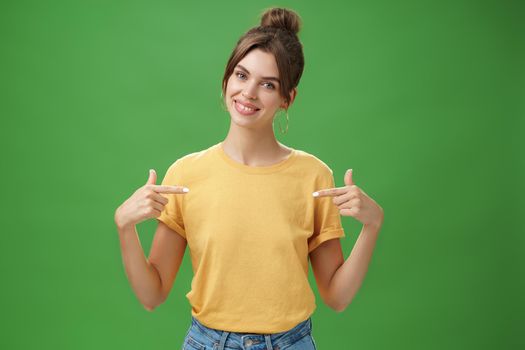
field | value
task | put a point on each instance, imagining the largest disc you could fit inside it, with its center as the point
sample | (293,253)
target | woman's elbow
(149,308)
(338,307)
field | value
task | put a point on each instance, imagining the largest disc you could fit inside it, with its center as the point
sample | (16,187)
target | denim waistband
(233,339)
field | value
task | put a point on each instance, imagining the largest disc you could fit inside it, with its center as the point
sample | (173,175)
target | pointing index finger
(330,192)
(171,189)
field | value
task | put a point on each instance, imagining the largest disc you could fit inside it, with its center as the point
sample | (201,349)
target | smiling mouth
(249,109)
(243,109)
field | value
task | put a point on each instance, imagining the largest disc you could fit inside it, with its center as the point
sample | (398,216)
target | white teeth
(244,108)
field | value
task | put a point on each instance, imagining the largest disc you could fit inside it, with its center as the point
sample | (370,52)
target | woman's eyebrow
(265,78)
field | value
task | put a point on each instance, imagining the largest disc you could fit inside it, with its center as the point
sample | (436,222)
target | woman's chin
(243,122)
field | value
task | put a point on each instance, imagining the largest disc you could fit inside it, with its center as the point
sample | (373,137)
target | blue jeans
(200,337)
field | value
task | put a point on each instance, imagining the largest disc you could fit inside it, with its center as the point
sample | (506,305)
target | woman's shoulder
(196,156)
(312,161)
(185,163)
(191,163)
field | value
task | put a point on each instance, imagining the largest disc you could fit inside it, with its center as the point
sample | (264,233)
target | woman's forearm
(349,276)
(143,277)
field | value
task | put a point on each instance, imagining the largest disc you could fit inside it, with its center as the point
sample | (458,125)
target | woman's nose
(249,92)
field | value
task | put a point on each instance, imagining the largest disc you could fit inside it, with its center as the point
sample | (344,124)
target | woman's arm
(348,278)
(340,282)
(143,277)
(151,279)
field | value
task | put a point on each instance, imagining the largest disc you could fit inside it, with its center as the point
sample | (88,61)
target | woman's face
(254,83)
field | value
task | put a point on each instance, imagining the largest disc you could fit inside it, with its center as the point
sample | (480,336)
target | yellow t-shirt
(249,231)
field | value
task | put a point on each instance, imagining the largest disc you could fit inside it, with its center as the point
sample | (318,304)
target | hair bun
(281,18)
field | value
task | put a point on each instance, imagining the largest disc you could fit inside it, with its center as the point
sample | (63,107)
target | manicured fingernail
(315,194)
(185,189)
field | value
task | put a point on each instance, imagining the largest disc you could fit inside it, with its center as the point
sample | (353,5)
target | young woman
(253,212)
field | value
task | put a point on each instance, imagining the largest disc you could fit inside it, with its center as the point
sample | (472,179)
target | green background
(423,99)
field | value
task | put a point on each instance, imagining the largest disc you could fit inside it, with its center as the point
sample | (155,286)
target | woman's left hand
(352,201)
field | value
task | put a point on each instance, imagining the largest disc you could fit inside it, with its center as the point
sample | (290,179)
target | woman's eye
(242,76)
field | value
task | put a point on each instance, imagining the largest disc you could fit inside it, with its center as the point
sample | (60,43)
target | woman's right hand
(145,203)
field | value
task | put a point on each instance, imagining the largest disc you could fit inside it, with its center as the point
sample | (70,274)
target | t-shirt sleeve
(327,219)
(172,213)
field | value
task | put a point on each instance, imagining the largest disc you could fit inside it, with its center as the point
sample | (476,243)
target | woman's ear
(293,94)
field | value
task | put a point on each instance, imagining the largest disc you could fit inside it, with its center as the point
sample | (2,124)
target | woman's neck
(253,147)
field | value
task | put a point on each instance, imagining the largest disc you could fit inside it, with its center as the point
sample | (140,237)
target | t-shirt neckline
(256,169)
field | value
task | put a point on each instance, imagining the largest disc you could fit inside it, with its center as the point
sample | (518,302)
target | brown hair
(277,34)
